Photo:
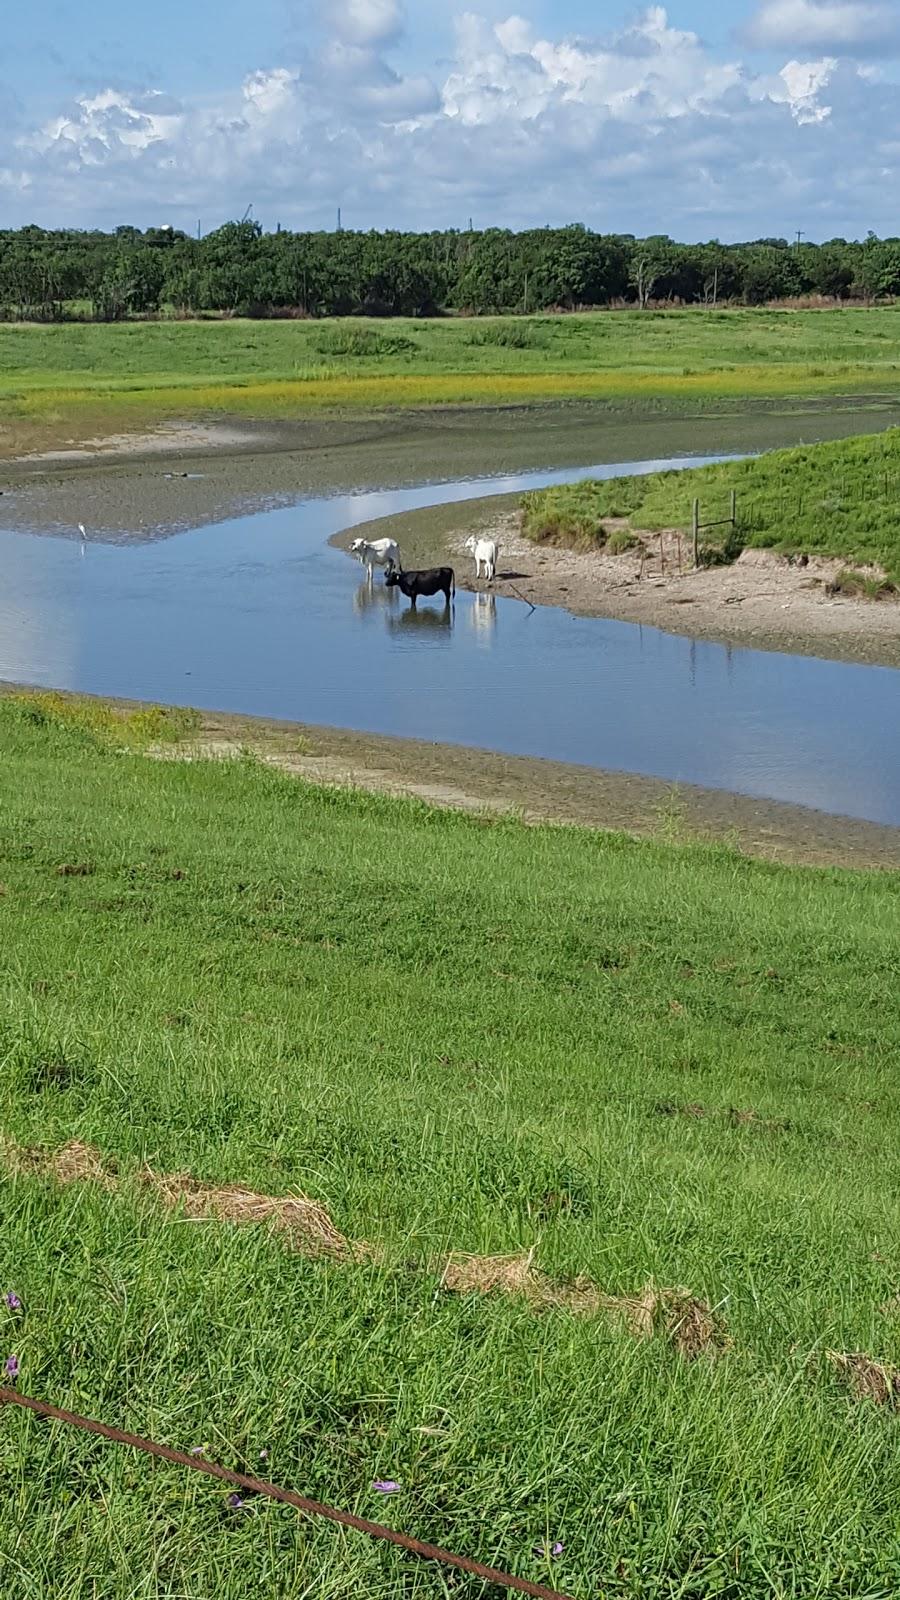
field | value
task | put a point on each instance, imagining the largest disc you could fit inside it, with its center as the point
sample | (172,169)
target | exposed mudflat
(185,474)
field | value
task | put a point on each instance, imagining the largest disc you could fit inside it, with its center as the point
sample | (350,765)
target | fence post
(695,532)
(734,508)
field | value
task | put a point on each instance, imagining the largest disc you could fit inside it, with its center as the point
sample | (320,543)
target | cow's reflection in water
(374,597)
(428,620)
(483,615)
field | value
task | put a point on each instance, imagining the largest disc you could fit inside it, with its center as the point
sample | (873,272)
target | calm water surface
(259,615)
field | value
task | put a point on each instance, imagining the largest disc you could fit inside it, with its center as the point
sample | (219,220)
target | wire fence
(259,1486)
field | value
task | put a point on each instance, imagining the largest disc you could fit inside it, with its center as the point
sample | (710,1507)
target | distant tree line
(54,275)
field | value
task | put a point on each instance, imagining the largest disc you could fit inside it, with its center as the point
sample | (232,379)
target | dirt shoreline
(532,790)
(761,602)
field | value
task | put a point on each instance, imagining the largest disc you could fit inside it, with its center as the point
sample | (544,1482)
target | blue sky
(701,119)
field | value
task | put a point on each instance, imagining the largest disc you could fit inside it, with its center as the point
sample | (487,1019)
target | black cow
(433,580)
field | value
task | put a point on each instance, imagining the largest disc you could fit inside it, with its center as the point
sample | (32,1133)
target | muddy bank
(533,791)
(186,474)
(762,601)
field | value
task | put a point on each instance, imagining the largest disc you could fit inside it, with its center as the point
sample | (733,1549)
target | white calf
(380,553)
(485,552)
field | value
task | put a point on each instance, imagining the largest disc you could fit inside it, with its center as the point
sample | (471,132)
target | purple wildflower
(555,1550)
(236,1503)
(386,1486)
(13,1303)
(197,1450)
(12,1367)
(263,1455)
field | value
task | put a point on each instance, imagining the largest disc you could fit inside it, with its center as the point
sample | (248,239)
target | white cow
(378,553)
(485,552)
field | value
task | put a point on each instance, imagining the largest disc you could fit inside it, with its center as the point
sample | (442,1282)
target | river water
(260,615)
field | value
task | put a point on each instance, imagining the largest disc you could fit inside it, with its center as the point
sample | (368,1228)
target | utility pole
(526,294)
(339,227)
(799,237)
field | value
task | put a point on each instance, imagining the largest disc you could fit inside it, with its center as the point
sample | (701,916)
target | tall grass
(455,1034)
(362,343)
(835,499)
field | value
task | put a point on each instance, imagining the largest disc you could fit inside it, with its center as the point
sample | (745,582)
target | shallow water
(259,615)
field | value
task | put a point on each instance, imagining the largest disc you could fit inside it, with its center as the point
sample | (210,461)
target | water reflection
(422,620)
(374,597)
(483,615)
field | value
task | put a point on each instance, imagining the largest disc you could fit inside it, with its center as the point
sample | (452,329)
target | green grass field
(145,371)
(836,499)
(644,1062)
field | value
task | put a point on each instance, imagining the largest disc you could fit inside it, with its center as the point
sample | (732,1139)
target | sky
(728,119)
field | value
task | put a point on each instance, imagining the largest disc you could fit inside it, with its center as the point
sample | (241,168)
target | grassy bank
(140,372)
(836,499)
(644,1062)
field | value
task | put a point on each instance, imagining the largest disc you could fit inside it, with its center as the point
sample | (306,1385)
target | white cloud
(644,130)
(848,27)
(98,125)
(369,23)
(649,66)
(804,82)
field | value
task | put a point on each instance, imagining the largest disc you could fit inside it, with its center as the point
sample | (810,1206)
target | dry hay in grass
(72,1163)
(515,1275)
(689,1324)
(305,1224)
(867,1379)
